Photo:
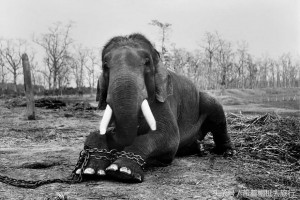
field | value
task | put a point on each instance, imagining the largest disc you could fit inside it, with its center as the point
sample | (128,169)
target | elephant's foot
(225,151)
(229,153)
(97,168)
(97,163)
(126,170)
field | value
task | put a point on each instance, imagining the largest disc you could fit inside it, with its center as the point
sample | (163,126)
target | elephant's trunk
(123,97)
(124,102)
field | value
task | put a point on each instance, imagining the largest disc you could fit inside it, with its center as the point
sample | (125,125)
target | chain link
(109,155)
(114,154)
(84,157)
(136,158)
(72,179)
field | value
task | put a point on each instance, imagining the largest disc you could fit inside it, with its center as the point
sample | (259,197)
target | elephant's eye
(147,61)
(104,65)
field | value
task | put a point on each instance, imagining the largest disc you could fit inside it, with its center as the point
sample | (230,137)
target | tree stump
(30,111)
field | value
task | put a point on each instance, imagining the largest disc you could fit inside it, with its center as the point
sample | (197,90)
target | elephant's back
(182,83)
(186,95)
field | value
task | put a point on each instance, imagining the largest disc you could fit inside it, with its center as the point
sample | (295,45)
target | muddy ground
(57,137)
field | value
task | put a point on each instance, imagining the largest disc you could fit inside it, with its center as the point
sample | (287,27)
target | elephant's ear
(101,93)
(163,83)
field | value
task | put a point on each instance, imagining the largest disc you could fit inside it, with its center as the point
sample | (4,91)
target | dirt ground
(57,140)
(57,137)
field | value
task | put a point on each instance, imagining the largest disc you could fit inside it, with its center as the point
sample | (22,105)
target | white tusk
(148,115)
(105,120)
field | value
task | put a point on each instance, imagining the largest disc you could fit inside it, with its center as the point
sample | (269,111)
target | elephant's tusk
(148,115)
(105,120)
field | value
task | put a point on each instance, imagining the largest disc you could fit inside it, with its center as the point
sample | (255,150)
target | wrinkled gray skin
(132,72)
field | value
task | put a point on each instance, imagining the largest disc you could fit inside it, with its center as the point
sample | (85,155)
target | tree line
(217,64)
(221,64)
(63,61)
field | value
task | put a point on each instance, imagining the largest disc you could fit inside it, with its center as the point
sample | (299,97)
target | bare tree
(285,61)
(179,60)
(164,28)
(56,44)
(2,65)
(90,66)
(272,65)
(293,68)
(278,74)
(3,71)
(224,58)
(210,46)
(64,78)
(3,74)
(189,64)
(11,55)
(263,66)
(47,73)
(242,54)
(40,84)
(252,69)
(79,60)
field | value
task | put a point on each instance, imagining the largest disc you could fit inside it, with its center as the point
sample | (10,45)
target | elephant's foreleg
(215,123)
(155,147)
(221,138)
(218,127)
(99,156)
(149,149)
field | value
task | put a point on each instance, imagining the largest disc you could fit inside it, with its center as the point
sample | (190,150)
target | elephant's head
(132,76)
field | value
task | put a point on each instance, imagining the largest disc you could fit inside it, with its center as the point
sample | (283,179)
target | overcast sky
(269,26)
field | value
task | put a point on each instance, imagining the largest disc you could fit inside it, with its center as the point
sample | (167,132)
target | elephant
(151,113)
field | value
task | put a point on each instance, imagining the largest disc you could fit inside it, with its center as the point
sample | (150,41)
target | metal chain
(110,155)
(72,179)
(84,157)
(114,154)
(136,158)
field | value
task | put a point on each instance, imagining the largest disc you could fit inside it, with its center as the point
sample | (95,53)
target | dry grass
(268,151)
